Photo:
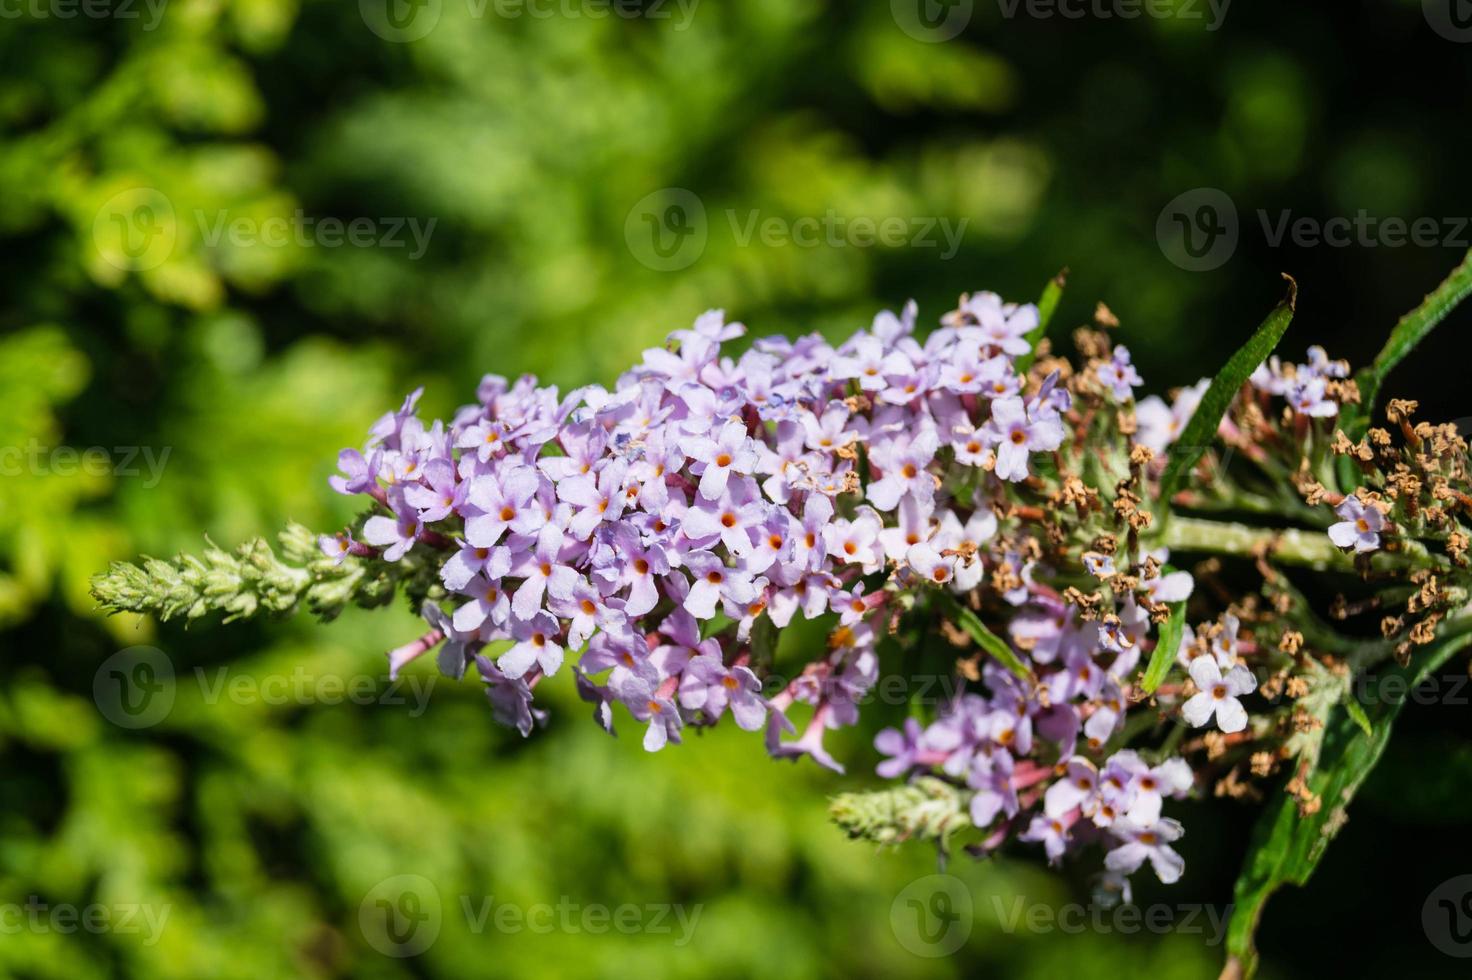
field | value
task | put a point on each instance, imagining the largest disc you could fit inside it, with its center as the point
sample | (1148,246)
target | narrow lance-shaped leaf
(1413,328)
(987,640)
(1047,306)
(1201,430)
(1166,647)
(1286,847)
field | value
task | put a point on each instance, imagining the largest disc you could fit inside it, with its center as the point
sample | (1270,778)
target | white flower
(1218,695)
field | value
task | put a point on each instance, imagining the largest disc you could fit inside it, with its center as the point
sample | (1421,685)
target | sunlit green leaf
(1047,306)
(986,639)
(1166,647)
(1201,431)
(1286,847)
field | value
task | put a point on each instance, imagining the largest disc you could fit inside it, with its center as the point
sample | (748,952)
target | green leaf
(987,640)
(1413,328)
(1166,647)
(1357,713)
(1201,430)
(1408,332)
(1047,306)
(1286,847)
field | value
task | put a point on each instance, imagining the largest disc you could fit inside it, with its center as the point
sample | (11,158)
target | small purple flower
(597,499)
(544,574)
(510,697)
(504,502)
(646,704)
(991,778)
(360,474)
(395,535)
(336,546)
(902,747)
(1217,695)
(536,645)
(712,581)
(1359,527)
(730,452)
(1015,436)
(709,686)
(488,601)
(1051,832)
(1076,789)
(1119,375)
(440,494)
(903,466)
(1308,396)
(1141,842)
(1160,425)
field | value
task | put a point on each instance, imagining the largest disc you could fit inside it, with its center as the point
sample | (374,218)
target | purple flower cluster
(652,525)
(658,530)
(1307,387)
(1023,744)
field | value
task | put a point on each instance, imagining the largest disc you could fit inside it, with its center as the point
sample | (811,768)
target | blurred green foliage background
(533,144)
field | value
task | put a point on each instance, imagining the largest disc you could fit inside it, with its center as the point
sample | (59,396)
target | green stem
(1291,546)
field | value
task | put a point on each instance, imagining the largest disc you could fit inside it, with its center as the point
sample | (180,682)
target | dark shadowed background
(236,231)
